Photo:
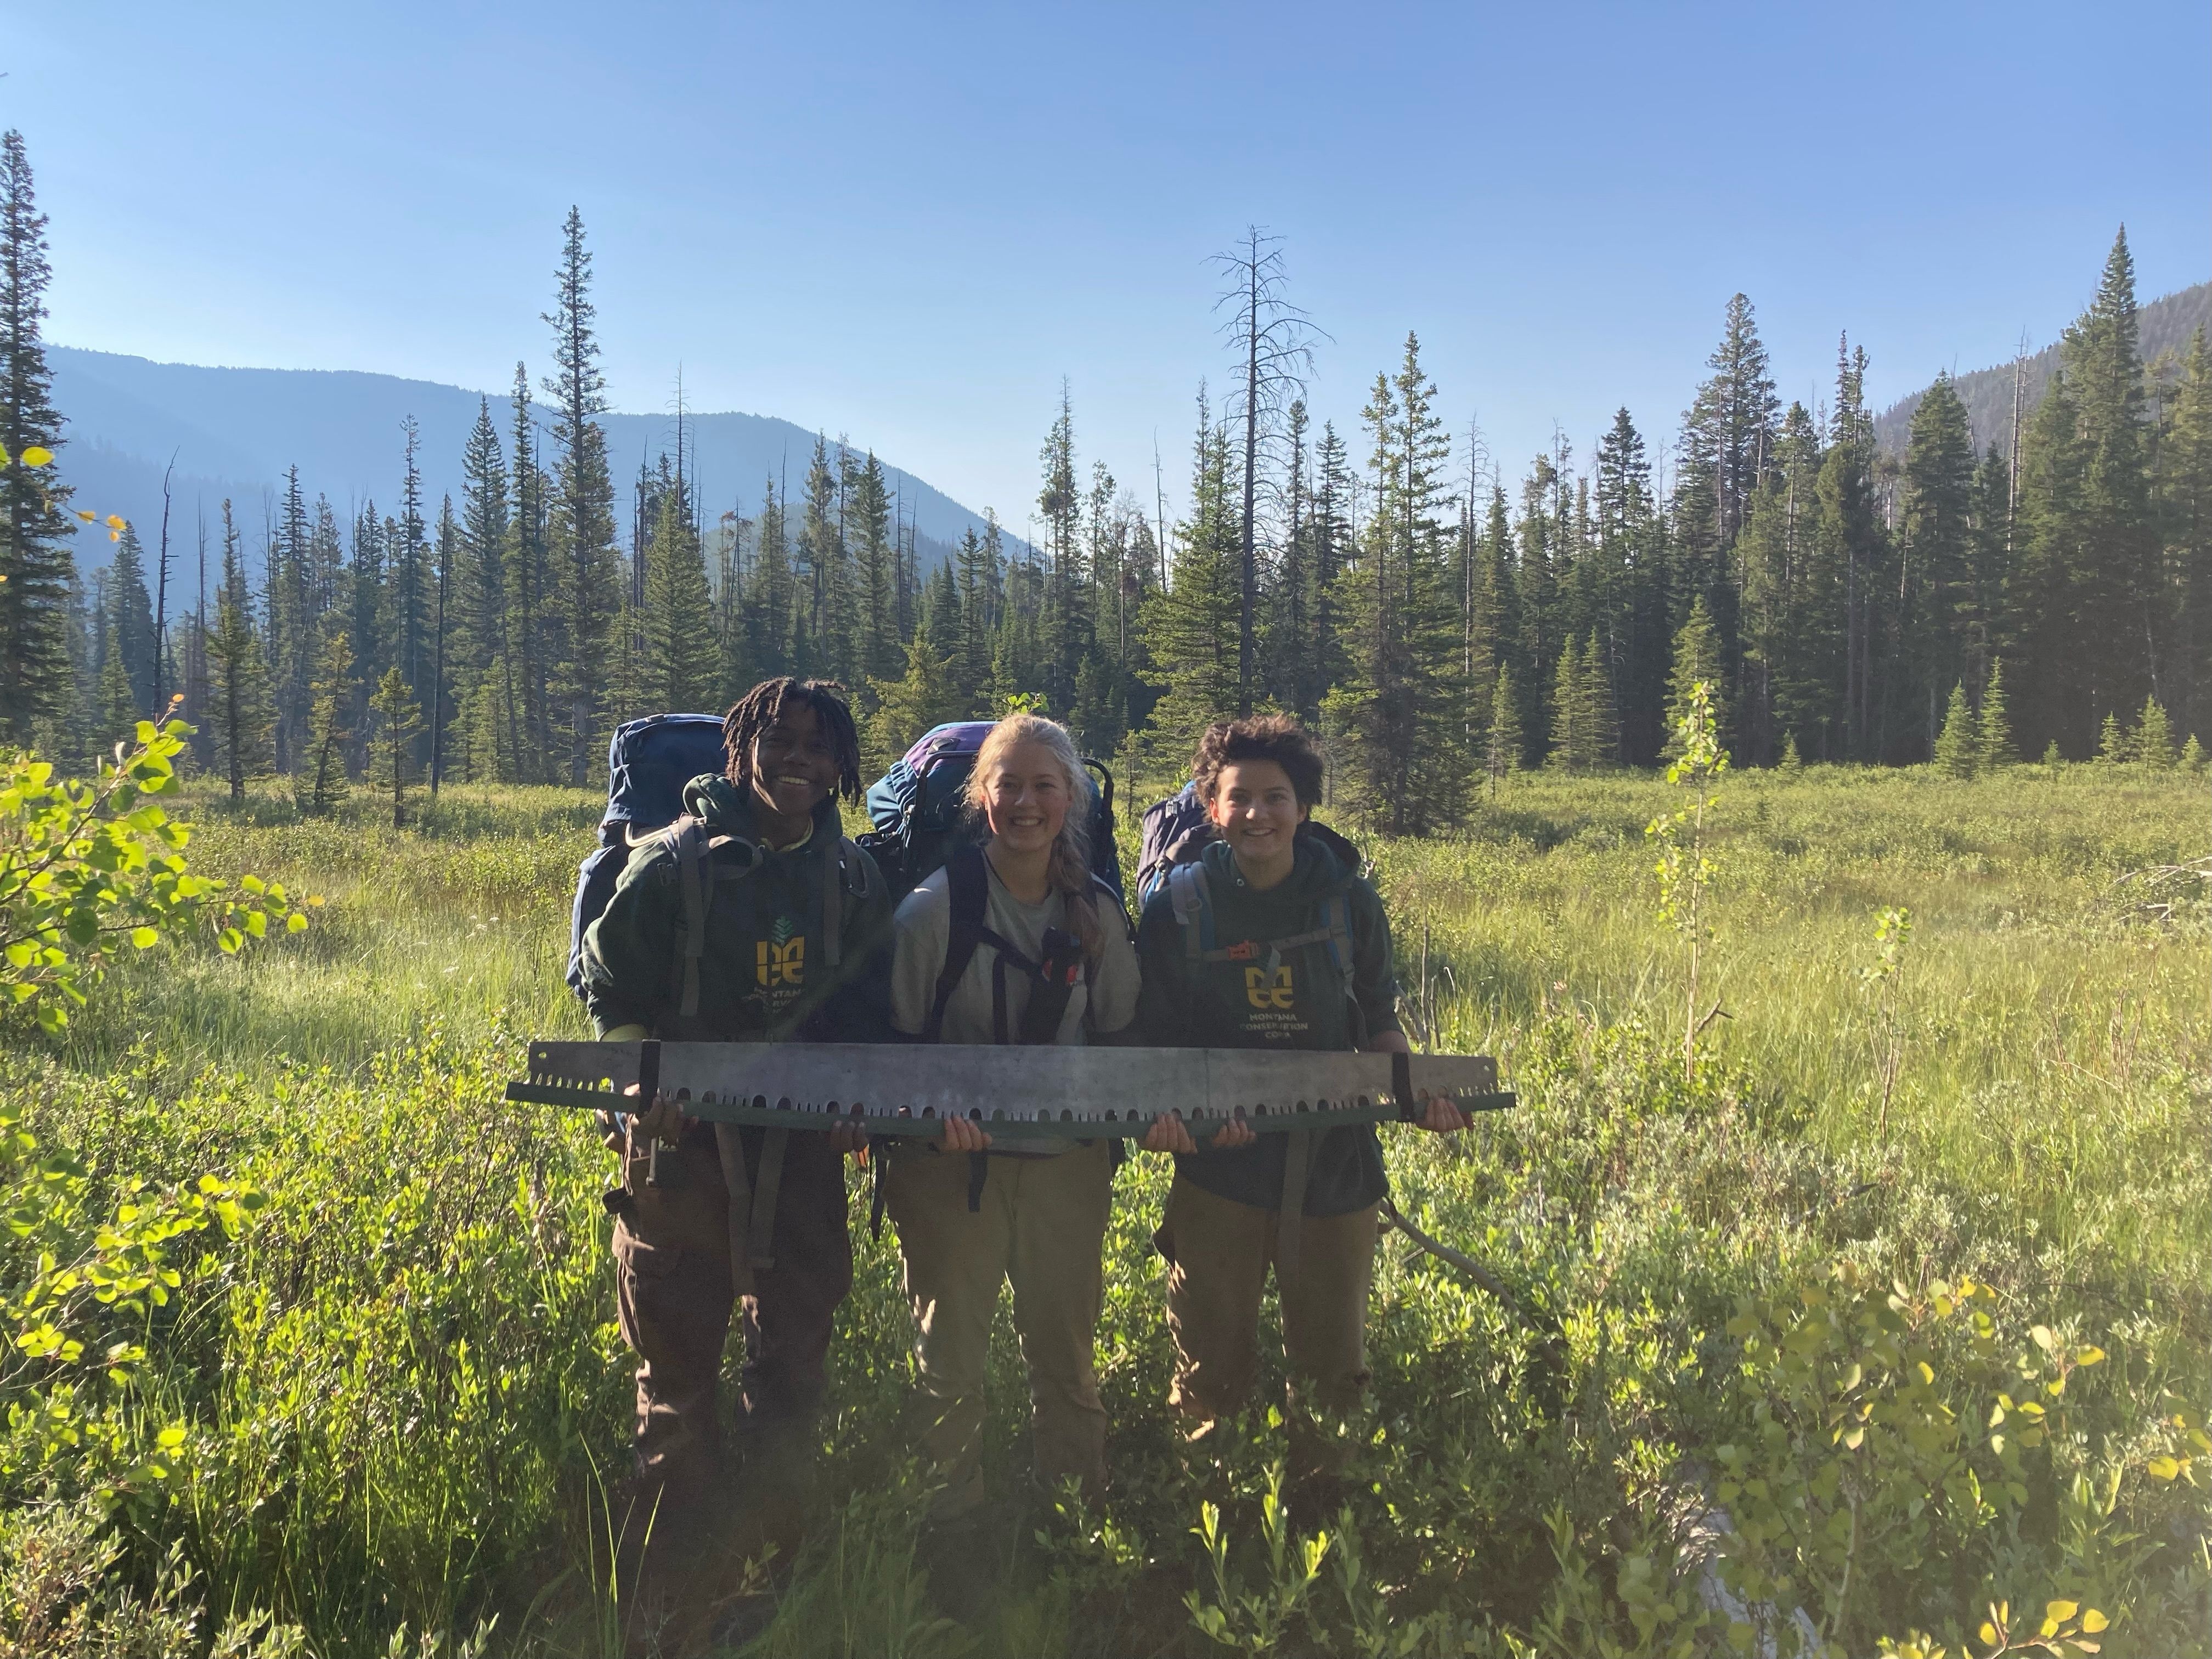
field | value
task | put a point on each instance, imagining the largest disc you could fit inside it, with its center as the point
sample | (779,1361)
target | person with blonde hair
(1013,941)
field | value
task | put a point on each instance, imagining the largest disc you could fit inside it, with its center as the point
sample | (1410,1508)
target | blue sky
(907,223)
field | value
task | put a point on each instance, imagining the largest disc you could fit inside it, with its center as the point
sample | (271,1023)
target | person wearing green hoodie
(1276,943)
(753,919)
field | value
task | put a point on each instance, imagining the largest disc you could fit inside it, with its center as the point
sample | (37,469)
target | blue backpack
(648,763)
(919,808)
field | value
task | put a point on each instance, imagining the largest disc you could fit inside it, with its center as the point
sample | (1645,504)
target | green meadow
(1884,1310)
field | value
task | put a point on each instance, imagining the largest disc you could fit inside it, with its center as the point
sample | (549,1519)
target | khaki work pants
(1219,1253)
(675,1291)
(1042,1226)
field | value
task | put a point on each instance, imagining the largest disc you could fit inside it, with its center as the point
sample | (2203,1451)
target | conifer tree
(321,782)
(36,565)
(1501,750)
(131,620)
(1697,659)
(1958,745)
(407,572)
(772,598)
(2114,745)
(1935,593)
(1190,629)
(2152,741)
(238,674)
(926,695)
(1403,712)
(876,570)
(1571,714)
(115,704)
(395,723)
(585,590)
(679,666)
(1993,726)
(529,585)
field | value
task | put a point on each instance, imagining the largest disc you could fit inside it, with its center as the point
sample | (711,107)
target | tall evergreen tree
(2187,459)
(396,724)
(36,565)
(1936,588)
(1190,630)
(876,570)
(1697,659)
(244,712)
(585,589)
(320,782)
(680,665)
(131,620)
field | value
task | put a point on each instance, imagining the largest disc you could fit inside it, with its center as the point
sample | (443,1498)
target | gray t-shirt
(921,929)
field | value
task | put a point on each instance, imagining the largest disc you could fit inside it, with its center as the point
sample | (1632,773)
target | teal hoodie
(1302,1004)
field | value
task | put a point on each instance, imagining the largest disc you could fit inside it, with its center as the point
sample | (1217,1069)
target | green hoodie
(764,976)
(1304,1005)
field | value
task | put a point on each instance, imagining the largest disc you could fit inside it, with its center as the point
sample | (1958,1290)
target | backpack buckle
(1244,951)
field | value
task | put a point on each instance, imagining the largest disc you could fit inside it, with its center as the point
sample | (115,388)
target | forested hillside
(1438,625)
(2165,327)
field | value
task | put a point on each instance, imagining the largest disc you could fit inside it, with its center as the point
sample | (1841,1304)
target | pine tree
(976,560)
(1958,745)
(2118,592)
(1190,628)
(529,585)
(320,782)
(1403,712)
(2192,754)
(2114,745)
(115,704)
(1697,657)
(131,620)
(1935,592)
(875,569)
(238,675)
(396,721)
(679,666)
(1502,755)
(37,568)
(1993,726)
(2152,743)
(586,592)
(928,695)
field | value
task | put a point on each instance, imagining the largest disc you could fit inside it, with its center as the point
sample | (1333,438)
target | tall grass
(407,1398)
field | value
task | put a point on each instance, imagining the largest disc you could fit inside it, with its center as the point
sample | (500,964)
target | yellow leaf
(2088,1356)
(2093,1621)
(86,517)
(2163,1468)
(1988,1633)
(2061,1611)
(36,455)
(115,521)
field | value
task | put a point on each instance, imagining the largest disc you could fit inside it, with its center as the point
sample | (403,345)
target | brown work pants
(675,1288)
(1040,1223)
(1219,1253)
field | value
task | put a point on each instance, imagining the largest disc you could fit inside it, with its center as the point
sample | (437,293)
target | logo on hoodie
(781,960)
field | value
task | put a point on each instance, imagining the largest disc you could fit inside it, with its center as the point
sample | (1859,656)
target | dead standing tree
(1274,343)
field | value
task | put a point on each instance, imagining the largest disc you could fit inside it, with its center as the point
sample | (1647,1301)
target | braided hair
(765,704)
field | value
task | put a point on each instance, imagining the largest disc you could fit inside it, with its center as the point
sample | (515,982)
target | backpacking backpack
(648,763)
(919,808)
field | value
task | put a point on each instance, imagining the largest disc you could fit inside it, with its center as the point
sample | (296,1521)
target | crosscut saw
(1014,1093)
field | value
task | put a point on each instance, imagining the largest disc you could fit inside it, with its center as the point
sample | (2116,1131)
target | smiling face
(1025,798)
(1256,810)
(794,763)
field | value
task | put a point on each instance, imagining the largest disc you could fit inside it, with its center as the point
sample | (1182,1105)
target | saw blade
(1028,1093)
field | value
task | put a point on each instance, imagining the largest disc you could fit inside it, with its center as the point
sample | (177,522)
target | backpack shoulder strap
(841,867)
(689,842)
(968,884)
(1192,901)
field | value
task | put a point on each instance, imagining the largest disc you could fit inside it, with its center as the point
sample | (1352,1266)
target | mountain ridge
(232,432)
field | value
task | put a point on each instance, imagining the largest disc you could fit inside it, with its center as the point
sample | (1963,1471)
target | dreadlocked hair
(766,703)
(1068,871)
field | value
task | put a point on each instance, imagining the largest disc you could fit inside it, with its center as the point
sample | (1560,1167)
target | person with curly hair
(753,920)
(1272,938)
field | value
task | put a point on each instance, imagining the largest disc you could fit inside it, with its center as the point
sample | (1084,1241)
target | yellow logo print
(1262,992)
(781,964)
